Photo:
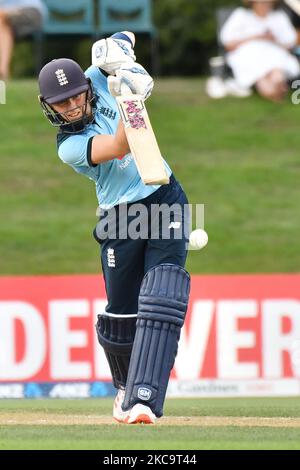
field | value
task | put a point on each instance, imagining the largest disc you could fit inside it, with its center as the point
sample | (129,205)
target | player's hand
(135,77)
(111,53)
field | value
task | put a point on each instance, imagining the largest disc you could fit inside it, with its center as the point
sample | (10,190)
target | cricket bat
(294,5)
(141,138)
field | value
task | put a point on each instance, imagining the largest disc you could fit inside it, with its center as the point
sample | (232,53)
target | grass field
(264,423)
(238,157)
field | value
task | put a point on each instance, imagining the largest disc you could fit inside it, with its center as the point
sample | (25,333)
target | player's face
(73,108)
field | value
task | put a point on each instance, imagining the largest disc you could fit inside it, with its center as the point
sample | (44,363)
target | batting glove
(135,77)
(111,53)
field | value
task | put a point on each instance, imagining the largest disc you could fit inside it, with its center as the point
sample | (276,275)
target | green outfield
(240,423)
(238,157)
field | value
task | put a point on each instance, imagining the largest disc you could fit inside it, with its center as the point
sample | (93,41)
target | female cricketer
(146,284)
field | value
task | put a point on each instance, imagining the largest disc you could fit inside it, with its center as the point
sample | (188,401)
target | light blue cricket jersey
(118,180)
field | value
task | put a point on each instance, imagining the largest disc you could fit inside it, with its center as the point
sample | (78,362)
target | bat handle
(125,90)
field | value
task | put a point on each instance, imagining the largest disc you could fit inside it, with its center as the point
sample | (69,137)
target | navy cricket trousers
(126,260)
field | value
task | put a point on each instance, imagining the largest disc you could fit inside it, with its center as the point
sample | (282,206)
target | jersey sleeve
(76,151)
(98,77)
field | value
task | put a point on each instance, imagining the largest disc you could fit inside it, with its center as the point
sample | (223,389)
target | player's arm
(119,62)
(108,147)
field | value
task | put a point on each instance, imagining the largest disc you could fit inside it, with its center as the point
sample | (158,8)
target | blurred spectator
(18,18)
(258,41)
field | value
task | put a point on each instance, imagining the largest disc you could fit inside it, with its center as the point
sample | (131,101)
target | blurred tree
(187,30)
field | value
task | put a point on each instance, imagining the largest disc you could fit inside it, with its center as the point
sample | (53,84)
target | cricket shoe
(139,414)
(118,414)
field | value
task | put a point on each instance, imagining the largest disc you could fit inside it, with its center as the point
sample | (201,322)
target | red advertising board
(243,327)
